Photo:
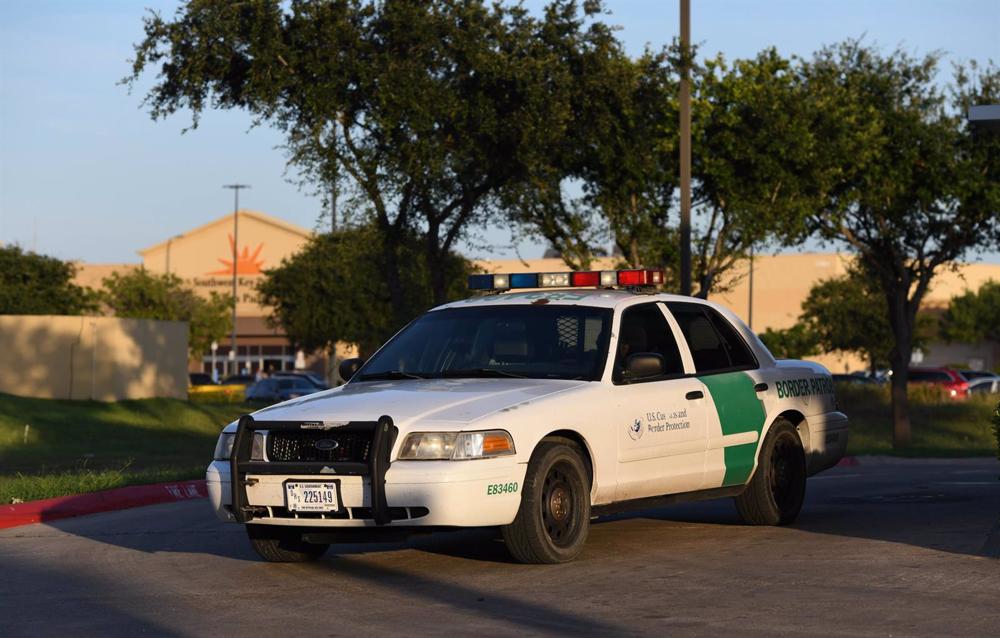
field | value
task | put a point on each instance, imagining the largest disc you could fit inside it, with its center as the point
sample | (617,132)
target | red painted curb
(51,509)
(848,461)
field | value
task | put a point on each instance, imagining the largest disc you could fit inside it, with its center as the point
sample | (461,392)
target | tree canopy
(973,316)
(430,108)
(32,284)
(334,289)
(140,294)
(795,342)
(908,186)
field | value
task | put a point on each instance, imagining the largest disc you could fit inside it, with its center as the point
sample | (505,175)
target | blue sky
(85,174)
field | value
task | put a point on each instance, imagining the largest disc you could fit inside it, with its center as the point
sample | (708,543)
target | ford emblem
(326,444)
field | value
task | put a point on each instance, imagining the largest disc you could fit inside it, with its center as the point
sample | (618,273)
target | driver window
(645,329)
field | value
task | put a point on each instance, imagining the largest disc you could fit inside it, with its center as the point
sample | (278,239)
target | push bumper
(403,494)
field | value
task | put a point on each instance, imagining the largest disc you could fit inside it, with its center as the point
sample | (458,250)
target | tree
(429,107)
(973,316)
(32,284)
(908,186)
(333,289)
(847,314)
(796,342)
(140,294)
(755,166)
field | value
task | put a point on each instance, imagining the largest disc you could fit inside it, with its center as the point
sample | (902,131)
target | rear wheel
(778,488)
(553,520)
(278,544)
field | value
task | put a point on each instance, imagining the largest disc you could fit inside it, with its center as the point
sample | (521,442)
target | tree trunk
(390,254)
(439,284)
(901,434)
(902,329)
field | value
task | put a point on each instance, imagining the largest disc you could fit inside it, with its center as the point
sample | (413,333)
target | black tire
(778,488)
(277,544)
(553,520)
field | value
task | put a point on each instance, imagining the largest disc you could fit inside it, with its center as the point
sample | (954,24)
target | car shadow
(928,509)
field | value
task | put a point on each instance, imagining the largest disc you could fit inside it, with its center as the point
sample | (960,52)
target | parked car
(315,380)
(985,385)
(238,379)
(276,389)
(947,378)
(200,378)
(854,379)
(972,375)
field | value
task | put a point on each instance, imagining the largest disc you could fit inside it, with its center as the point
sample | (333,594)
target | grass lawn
(941,427)
(84,446)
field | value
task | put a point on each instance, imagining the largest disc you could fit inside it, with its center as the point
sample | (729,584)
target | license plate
(312,497)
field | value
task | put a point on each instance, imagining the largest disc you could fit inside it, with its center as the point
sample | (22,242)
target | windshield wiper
(482,372)
(389,374)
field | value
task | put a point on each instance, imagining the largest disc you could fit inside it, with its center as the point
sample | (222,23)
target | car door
(736,416)
(662,431)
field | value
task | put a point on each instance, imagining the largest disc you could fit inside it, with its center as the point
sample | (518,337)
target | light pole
(236,243)
(685,159)
(215,371)
(750,295)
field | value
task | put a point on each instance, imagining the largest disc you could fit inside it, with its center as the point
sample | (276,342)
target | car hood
(456,401)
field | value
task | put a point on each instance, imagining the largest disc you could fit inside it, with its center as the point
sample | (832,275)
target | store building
(203,258)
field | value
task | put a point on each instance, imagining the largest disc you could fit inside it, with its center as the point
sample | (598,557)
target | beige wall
(101,358)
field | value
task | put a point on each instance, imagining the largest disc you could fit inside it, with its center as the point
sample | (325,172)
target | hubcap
(559,503)
(558,514)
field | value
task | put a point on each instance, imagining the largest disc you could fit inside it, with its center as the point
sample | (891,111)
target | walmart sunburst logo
(246,263)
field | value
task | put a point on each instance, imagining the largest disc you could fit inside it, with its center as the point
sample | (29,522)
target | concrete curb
(52,509)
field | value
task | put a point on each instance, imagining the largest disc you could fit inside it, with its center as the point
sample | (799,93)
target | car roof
(594,297)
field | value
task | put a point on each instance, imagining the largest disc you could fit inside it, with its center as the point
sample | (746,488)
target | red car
(954,384)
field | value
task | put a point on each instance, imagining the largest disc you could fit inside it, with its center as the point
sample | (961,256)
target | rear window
(715,345)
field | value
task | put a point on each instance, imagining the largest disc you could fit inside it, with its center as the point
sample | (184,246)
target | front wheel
(277,544)
(778,488)
(553,520)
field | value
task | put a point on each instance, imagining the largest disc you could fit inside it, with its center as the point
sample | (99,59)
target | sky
(85,174)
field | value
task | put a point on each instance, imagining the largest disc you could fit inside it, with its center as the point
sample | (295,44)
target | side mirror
(643,365)
(348,367)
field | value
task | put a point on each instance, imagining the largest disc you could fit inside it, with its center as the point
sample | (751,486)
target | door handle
(760,387)
(694,394)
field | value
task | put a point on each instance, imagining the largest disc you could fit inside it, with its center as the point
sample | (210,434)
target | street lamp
(236,188)
(215,371)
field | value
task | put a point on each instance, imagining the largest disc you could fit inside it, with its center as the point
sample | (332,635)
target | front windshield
(531,341)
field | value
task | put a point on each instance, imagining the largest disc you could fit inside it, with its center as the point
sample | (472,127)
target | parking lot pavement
(890,547)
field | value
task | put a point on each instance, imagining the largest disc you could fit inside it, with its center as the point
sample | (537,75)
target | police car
(540,403)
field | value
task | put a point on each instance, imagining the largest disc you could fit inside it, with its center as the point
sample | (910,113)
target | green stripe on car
(739,411)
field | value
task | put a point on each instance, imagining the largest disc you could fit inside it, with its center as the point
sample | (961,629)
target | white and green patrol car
(535,411)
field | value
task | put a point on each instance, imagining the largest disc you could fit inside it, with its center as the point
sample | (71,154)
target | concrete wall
(100,358)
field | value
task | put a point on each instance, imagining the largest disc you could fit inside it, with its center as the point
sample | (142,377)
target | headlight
(224,448)
(456,446)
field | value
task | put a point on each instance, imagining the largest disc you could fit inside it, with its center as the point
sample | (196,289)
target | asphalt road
(889,547)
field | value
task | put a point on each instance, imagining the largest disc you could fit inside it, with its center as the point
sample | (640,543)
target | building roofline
(244,214)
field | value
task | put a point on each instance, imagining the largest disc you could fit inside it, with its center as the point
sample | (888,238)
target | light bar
(591,279)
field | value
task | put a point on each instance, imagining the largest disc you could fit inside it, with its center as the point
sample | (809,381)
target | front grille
(293,447)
